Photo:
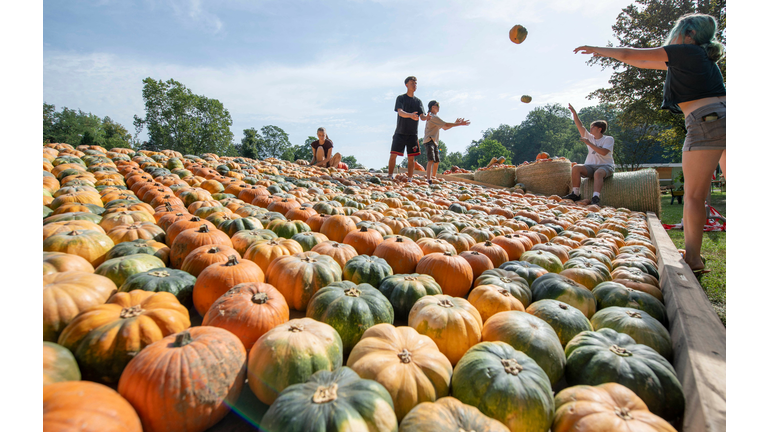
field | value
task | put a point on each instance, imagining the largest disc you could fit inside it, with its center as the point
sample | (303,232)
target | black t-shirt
(406,126)
(327,146)
(691,75)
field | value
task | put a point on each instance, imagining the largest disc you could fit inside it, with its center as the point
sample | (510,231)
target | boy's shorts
(402,142)
(592,168)
(705,128)
(433,153)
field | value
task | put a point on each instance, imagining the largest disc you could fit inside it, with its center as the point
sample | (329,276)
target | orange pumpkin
(452,272)
(263,252)
(207,255)
(217,279)
(191,239)
(87,407)
(56,262)
(401,253)
(452,322)
(492,299)
(340,252)
(364,240)
(90,245)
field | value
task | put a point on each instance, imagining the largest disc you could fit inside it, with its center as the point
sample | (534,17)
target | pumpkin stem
(159,273)
(260,298)
(563,306)
(296,328)
(623,352)
(325,394)
(504,292)
(182,339)
(194,219)
(405,356)
(633,314)
(446,303)
(511,366)
(204,229)
(131,312)
(398,239)
(213,250)
(232,261)
(623,413)
(352,292)
(363,229)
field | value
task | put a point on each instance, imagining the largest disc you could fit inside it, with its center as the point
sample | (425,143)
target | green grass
(712,248)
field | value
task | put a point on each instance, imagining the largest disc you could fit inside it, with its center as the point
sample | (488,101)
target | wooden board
(698,337)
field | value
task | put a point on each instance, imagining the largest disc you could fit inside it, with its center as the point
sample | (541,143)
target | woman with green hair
(694,87)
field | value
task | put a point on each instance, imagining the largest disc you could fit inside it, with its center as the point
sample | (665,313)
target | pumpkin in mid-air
(526,99)
(518,33)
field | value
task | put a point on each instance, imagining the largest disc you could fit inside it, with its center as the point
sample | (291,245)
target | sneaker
(429,181)
(595,200)
(572,196)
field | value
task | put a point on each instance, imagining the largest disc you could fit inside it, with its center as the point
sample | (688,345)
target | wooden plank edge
(698,336)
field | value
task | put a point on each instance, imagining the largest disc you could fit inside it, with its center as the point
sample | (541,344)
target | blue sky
(338,64)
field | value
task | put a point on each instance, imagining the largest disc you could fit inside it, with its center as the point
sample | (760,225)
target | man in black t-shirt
(409,111)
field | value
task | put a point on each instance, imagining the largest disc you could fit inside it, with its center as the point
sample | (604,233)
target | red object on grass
(343,165)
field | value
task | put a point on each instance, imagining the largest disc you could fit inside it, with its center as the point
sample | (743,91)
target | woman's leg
(320,156)
(698,166)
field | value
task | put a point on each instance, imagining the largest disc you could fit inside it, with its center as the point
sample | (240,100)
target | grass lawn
(712,248)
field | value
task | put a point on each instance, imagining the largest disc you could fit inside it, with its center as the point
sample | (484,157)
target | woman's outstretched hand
(587,50)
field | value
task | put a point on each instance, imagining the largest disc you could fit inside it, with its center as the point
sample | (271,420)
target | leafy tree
(638,93)
(115,135)
(304,151)
(351,162)
(80,128)
(549,128)
(247,146)
(504,134)
(481,153)
(451,160)
(177,119)
(273,143)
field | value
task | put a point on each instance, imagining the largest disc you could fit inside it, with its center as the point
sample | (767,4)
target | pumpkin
(401,253)
(242,240)
(289,354)
(492,299)
(558,287)
(235,224)
(566,320)
(106,337)
(87,407)
(547,260)
(66,294)
(161,279)
(604,407)
(404,290)
(287,229)
(350,308)
(509,280)
(514,246)
(301,275)
(409,365)
(479,263)
(452,272)
(337,227)
(642,327)
(505,384)
(56,262)
(88,244)
(308,240)
(449,414)
(332,401)
(340,252)
(460,241)
(364,240)
(587,272)
(248,310)
(496,253)
(531,335)
(140,246)
(66,226)
(201,369)
(207,255)
(217,279)
(59,364)
(191,239)
(609,294)
(529,272)
(263,252)
(366,269)
(452,322)
(120,268)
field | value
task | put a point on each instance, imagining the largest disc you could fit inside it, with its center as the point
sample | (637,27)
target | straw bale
(466,176)
(635,190)
(500,176)
(546,178)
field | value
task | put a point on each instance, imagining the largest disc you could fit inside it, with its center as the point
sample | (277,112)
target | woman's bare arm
(645,58)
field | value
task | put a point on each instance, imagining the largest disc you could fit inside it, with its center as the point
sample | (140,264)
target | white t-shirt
(595,158)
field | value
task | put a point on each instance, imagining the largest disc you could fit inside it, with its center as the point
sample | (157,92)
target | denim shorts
(592,168)
(705,128)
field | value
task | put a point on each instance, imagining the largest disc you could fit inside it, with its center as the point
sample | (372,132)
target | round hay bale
(546,178)
(635,190)
(499,176)
(466,176)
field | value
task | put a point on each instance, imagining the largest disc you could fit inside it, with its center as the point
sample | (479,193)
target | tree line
(177,119)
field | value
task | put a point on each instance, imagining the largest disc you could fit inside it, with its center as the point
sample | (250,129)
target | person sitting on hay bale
(322,151)
(599,164)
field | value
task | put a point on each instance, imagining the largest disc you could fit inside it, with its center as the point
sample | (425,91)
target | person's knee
(600,174)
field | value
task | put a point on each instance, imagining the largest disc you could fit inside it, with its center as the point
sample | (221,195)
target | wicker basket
(546,178)
(499,177)
(635,190)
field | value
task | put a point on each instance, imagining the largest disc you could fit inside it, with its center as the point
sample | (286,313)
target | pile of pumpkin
(345,303)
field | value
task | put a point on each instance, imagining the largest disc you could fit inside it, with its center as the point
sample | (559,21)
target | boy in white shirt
(599,164)
(432,137)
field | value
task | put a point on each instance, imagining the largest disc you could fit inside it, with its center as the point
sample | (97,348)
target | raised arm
(458,122)
(644,58)
(579,125)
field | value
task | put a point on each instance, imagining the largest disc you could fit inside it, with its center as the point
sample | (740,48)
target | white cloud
(193,10)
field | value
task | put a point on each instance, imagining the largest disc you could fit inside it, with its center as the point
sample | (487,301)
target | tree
(179,120)
(115,135)
(549,128)
(304,151)
(80,128)
(451,160)
(638,93)
(248,144)
(351,162)
(273,143)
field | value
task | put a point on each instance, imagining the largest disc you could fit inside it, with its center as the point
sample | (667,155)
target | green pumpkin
(646,265)
(46,212)
(448,414)
(73,216)
(509,280)
(366,269)
(566,320)
(505,384)
(287,229)
(439,227)
(542,258)
(232,226)
(528,221)
(531,335)
(332,401)
(528,271)
(176,282)
(59,364)
(309,239)
(350,309)
(556,287)
(606,355)
(120,268)
(609,294)
(416,233)
(138,246)
(404,290)
(587,253)
(642,327)
(266,218)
